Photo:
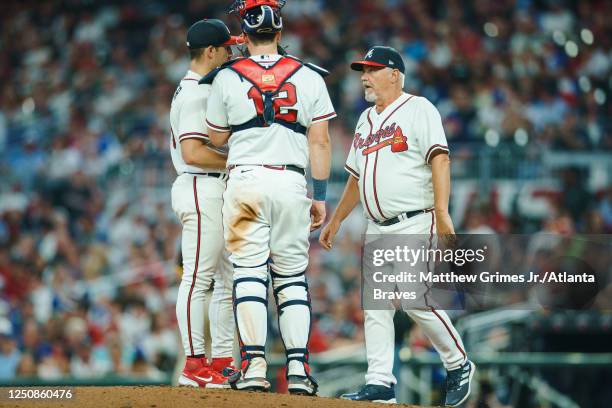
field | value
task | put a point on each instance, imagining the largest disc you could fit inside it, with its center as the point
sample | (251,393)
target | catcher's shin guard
(250,311)
(293,303)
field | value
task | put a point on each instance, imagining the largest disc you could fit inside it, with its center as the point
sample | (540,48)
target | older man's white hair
(402,77)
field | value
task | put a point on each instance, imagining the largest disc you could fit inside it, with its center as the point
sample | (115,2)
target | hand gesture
(317,214)
(327,235)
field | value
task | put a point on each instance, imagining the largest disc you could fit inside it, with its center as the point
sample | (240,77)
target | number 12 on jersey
(284,102)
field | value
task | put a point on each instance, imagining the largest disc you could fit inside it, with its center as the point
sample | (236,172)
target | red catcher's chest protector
(267,83)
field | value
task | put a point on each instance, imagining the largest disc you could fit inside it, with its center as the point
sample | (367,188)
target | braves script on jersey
(390,156)
(187,114)
(303,99)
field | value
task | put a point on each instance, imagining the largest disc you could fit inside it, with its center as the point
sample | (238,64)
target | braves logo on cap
(380,56)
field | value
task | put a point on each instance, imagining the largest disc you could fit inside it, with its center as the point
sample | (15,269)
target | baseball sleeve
(191,120)
(216,114)
(431,137)
(351,161)
(351,166)
(323,108)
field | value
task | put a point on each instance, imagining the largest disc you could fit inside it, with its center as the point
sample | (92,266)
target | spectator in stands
(27,366)
(9,356)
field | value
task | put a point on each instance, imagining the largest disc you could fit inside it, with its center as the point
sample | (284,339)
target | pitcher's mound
(182,397)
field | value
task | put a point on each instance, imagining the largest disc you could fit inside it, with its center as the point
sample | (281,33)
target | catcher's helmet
(259,16)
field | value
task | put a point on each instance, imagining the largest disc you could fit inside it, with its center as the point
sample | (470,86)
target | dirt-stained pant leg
(267,216)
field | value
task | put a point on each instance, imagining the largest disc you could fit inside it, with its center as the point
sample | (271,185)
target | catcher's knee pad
(289,266)
(250,284)
(290,290)
(250,290)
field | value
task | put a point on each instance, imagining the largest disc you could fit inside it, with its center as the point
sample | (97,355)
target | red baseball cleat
(197,373)
(223,366)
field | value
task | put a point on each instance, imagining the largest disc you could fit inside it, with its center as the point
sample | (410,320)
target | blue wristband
(319,189)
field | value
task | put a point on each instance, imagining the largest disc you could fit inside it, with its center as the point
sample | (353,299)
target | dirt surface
(162,397)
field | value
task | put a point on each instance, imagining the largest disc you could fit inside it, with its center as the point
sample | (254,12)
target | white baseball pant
(266,217)
(437,326)
(197,200)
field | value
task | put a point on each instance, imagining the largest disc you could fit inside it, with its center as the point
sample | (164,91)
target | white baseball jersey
(390,156)
(197,201)
(304,99)
(187,120)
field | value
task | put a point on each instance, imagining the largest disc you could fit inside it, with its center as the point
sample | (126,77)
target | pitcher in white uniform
(399,167)
(197,201)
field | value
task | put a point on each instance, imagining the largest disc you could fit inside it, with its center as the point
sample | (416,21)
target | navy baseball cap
(213,32)
(381,57)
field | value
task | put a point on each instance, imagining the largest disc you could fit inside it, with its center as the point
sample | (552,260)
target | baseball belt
(402,217)
(289,167)
(222,176)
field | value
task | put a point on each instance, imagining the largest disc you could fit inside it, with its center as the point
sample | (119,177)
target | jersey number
(284,101)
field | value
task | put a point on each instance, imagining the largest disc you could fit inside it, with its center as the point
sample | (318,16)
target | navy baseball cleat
(458,384)
(302,385)
(238,381)
(373,393)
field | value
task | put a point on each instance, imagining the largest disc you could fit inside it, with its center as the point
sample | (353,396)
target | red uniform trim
(190,79)
(365,172)
(427,263)
(433,149)
(395,110)
(191,135)
(329,115)
(376,159)
(193,138)
(212,125)
(351,171)
(374,180)
(428,289)
(449,332)
(197,260)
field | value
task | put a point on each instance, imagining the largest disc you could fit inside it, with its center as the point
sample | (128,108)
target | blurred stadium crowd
(88,242)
